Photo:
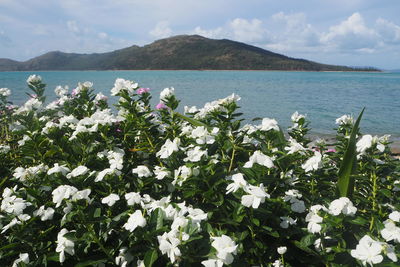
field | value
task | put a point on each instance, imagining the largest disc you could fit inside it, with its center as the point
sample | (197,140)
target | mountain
(183,52)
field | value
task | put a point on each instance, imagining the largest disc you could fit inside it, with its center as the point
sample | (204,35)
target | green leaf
(345,182)
(97,213)
(307,240)
(150,257)
(192,121)
(90,263)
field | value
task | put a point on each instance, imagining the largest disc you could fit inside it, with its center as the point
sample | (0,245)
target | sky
(342,32)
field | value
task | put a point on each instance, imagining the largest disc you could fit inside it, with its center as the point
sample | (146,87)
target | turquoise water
(323,96)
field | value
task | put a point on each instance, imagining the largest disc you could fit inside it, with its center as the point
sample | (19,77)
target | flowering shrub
(84,186)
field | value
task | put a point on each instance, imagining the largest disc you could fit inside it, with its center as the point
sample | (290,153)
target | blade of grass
(345,182)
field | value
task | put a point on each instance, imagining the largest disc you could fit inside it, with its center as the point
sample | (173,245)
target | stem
(232,159)
(373,198)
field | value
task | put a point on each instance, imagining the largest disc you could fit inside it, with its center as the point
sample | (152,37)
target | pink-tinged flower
(142,90)
(330,150)
(161,106)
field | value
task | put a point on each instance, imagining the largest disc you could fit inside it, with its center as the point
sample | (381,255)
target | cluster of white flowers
(217,105)
(23,174)
(367,141)
(314,220)
(194,154)
(66,192)
(166,93)
(64,245)
(5,92)
(391,231)
(254,195)
(32,79)
(115,159)
(296,117)
(345,120)
(91,124)
(4,149)
(124,258)
(33,104)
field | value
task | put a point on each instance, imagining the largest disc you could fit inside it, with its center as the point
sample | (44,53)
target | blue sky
(345,32)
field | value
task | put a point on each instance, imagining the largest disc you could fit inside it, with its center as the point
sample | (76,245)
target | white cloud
(248,30)
(161,30)
(351,34)
(73,26)
(216,33)
(292,33)
(389,31)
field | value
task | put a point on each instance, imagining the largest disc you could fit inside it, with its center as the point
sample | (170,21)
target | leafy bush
(84,186)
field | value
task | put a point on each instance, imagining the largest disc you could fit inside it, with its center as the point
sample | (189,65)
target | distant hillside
(184,52)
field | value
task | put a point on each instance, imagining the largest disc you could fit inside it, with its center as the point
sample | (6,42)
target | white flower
(5,92)
(342,205)
(100,97)
(294,147)
(13,222)
(286,221)
(395,216)
(345,120)
(212,263)
(83,194)
(368,251)
(110,199)
(168,148)
(133,198)
(63,192)
(202,136)
(34,79)
(166,93)
(23,257)
(225,247)
(61,91)
(45,214)
(298,206)
(259,158)
(100,176)
(124,257)
(195,154)
(364,143)
(256,196)
(12,204)
(277,263)
(161,172)
(390,232)
(121,84)
(269,124)
(58,168)
(168,244)
(314,220)
(80,170)
(313,163)
(296,117)
(281,250)
(142,171)
(136,219)
(390,252)
(64,245)
(238,182)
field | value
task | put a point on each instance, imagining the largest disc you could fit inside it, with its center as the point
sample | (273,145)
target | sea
(321,96)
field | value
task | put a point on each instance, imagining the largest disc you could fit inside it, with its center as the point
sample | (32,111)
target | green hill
(183,52)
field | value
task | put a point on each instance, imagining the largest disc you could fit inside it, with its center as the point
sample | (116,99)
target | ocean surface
(322,96)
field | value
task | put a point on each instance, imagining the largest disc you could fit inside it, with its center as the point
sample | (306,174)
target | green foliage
(83,186)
